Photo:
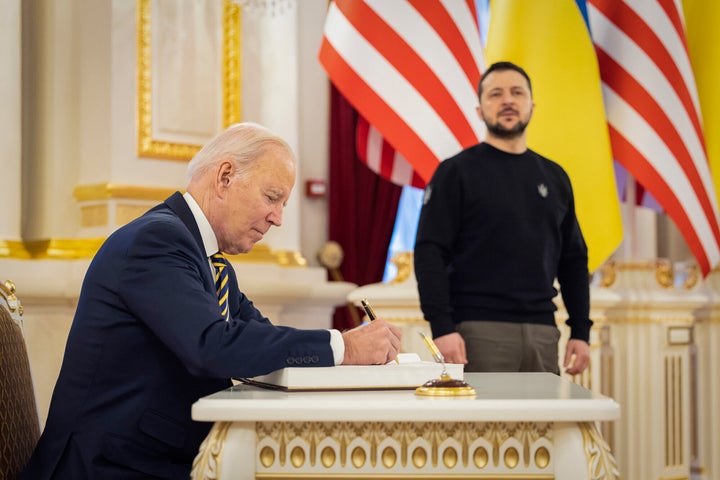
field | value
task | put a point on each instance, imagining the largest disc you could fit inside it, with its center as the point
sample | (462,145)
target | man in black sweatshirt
(497,227)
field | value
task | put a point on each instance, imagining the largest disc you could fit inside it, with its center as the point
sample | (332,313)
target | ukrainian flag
(551,41)
(702,22)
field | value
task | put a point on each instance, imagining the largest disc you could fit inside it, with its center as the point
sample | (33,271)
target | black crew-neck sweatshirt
(496,229)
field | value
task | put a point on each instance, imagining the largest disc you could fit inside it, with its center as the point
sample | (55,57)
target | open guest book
(408,373)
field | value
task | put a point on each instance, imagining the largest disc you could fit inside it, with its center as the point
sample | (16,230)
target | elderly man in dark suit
(150,335)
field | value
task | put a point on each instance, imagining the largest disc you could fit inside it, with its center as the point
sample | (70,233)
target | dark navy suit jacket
(147,341)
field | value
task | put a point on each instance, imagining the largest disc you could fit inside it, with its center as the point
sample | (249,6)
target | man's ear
(478,109)
(225,172)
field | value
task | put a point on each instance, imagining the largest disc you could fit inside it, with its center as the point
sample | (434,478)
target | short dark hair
(502,66)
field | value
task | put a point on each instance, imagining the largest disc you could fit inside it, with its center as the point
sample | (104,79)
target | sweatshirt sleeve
(573,276)
(436,234)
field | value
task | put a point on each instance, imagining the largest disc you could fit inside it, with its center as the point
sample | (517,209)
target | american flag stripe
(390,40)
(457,29)
(377,53)
(670,182)
(669,56)
(382,158)
(652,110)
(440,78)
(346,80)
(671,200)
(619,79)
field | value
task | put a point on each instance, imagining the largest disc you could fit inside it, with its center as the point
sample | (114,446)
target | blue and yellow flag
(702,19)
(551,41)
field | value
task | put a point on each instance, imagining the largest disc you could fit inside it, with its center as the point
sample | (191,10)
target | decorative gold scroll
(600,460)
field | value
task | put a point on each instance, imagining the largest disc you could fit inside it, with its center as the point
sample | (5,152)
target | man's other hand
(452,346)
(577,356)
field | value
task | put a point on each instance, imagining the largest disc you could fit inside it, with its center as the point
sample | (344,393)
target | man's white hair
(242,143)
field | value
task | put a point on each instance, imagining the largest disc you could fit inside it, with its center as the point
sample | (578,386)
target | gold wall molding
(380,448)
(97,215)
(232,80)
(633,317)
(262,253)
(126,213)
(13,249)
(713,318)
(63,249)
(405,320)
(107,191)
(231,83)
(93,216)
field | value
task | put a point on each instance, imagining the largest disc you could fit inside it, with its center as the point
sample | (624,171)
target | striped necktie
(221,282)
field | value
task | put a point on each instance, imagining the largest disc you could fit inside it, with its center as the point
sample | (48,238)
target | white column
(270,94)
(50,109)
(652,342)
(10,119)
(706,419)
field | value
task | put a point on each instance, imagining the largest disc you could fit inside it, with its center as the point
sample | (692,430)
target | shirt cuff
(338,346)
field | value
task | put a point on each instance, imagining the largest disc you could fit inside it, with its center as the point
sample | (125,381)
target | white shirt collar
(206,232)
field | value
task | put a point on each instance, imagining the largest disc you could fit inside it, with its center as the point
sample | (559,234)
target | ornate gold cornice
(149,147)
(105,191)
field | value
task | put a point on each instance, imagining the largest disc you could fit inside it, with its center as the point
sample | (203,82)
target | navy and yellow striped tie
(221,282)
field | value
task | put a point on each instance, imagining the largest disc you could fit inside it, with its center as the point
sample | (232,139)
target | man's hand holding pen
(373,344)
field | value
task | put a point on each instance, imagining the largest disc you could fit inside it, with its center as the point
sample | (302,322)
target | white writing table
(518,425)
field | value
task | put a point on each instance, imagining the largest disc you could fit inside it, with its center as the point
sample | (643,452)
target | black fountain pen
(368,309)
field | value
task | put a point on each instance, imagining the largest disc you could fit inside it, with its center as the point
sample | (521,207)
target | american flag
(652,110)
(411,69)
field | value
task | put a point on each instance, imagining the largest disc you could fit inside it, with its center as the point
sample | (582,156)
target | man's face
(254,203)
(505,104)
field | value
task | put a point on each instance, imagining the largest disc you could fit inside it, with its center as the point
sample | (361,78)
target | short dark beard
(506,133)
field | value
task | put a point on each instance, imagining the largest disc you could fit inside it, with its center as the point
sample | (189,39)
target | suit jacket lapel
(179,206)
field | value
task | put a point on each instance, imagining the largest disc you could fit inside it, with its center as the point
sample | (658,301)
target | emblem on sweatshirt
(426,196)
(543,190)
